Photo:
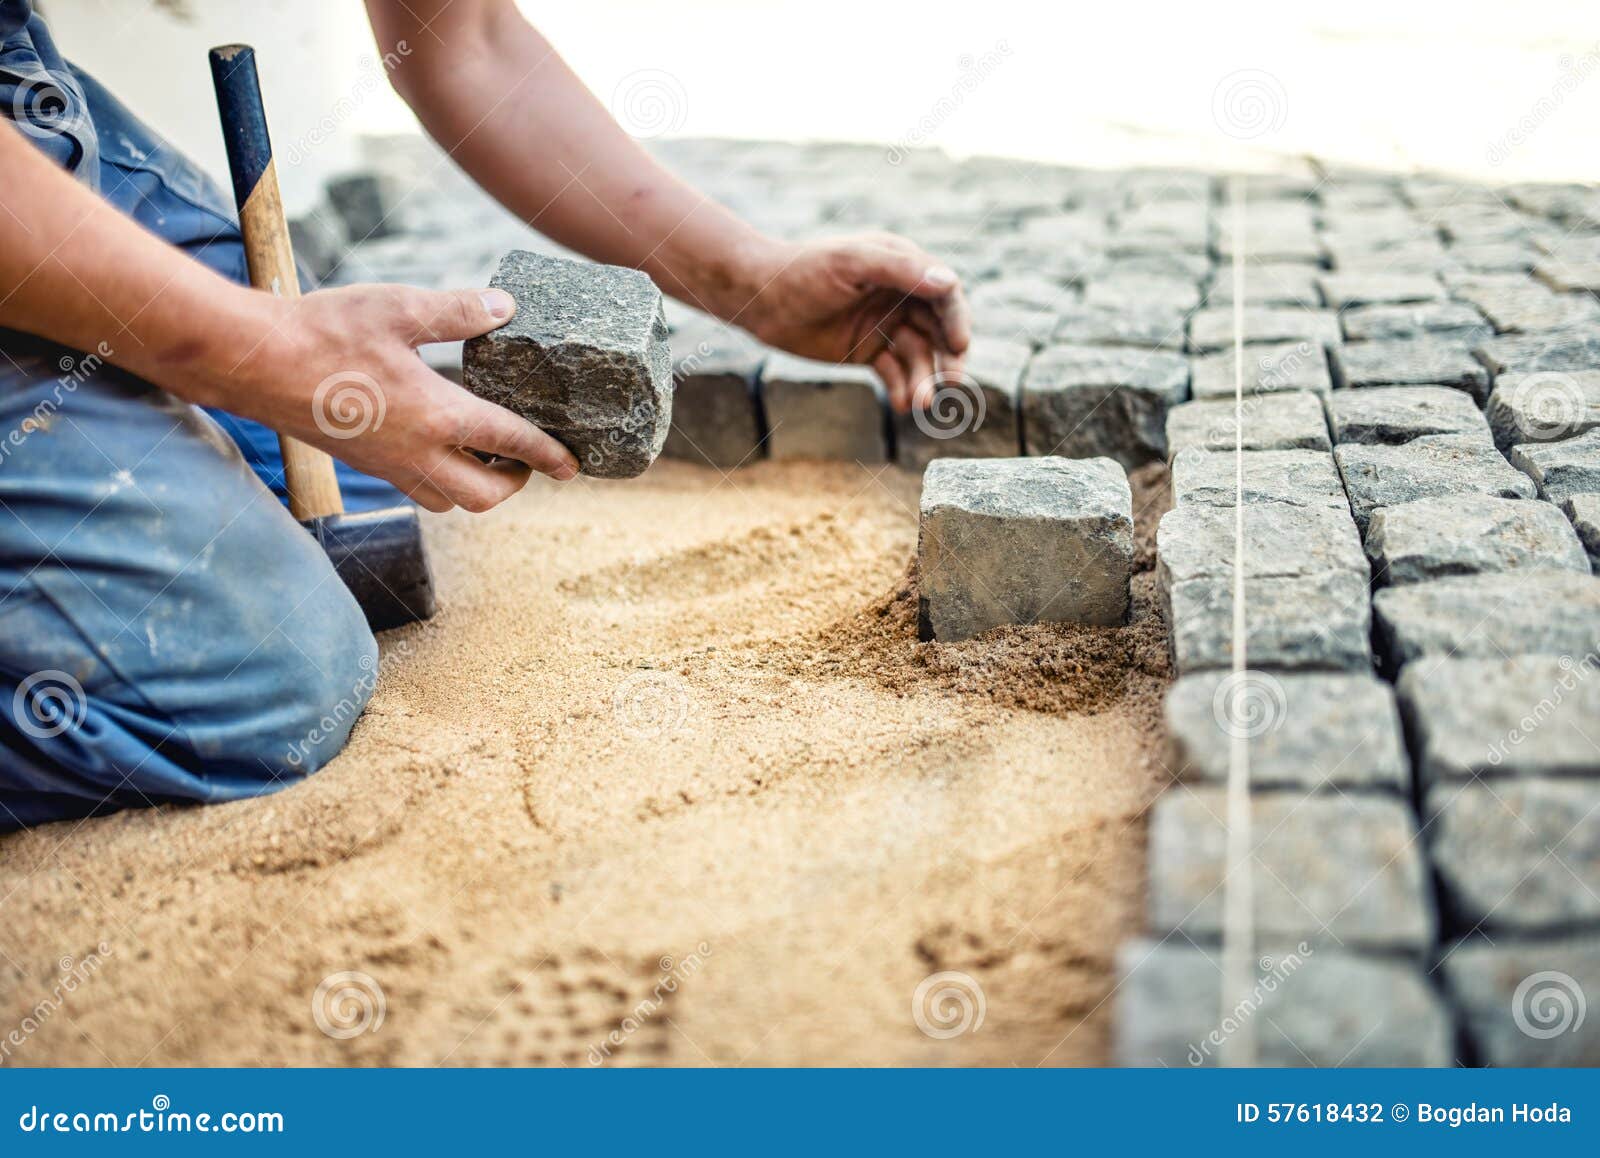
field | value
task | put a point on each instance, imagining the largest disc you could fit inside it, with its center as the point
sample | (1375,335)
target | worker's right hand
(340,371)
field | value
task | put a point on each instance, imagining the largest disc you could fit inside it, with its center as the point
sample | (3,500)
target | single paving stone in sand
(585,358)
(1305,730)
(973,415)
(819,410)
(1274,369)
(1489,616)
(1023,540)
(1563,350)
(1320,1007)
(1269,284)
(1378,476)
(716,419)
(1544,406)
(1391,415)
(1528,1002)
(1524,717)
(1088,401)
(1446,535)
(1520,857)
(1296,477)
(1453,322)
(1343,290)
(1339,869)
(1561,469)
(1409,362)
(1212,329)
(1584,511)
(1287,421)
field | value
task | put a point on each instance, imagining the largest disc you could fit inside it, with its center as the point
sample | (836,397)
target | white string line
(1238,899)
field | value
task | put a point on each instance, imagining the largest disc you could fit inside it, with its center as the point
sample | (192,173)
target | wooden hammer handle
(308,472)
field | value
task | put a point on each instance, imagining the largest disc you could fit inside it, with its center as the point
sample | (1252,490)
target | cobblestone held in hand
(1294,477)
(1543,406)
(1527,1003)
(1275,284)
(716,419)
(1520,857)
(1343,290)
(1410,362)
(1378,476)
(1455,323)
(1323,1007)
(1392,415)
(1267,370)
(1088,401)
(1561,469)
(1520,718)
(974,415)
(1446,535)
(584,358)
(1489,616)
(1287,421)
(1338,870)
(818,410)
(1211,329)
(1562,350)
(1023,540)
(1584,511)
(1305,730)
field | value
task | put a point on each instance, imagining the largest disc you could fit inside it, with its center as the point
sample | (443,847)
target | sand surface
(669,770)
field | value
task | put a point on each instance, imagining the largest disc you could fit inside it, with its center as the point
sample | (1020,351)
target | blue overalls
(167,631)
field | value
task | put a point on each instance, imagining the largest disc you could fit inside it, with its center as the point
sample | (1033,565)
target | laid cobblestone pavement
(1420,416)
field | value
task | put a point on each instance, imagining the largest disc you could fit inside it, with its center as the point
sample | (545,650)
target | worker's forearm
(492,91)
(75,271)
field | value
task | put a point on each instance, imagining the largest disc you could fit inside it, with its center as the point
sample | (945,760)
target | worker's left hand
(874,299)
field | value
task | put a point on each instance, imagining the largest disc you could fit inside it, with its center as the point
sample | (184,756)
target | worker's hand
(342,373)
(875,299)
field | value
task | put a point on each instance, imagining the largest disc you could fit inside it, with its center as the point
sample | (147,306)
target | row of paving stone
(1421,419)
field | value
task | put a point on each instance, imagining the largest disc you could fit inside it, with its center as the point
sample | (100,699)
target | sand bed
(675,728)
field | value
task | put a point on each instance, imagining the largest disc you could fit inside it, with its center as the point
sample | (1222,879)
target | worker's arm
(490,89)
(75,271)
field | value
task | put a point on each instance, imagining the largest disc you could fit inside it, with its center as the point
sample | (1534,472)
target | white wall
(1430,84)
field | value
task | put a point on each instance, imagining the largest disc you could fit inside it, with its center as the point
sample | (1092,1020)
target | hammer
(378,554)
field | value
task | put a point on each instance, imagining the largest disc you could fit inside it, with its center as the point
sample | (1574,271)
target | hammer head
(381,558)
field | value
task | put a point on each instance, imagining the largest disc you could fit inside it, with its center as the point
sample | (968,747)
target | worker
(168,632)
